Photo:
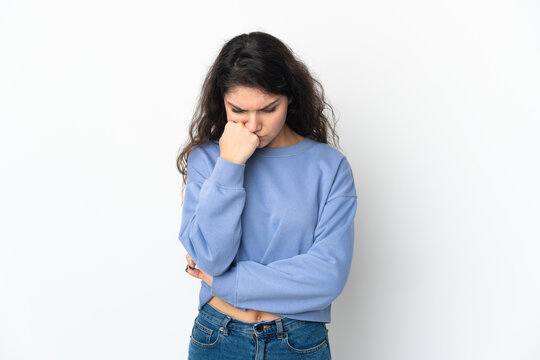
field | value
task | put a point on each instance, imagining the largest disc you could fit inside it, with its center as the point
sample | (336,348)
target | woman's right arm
(211,215)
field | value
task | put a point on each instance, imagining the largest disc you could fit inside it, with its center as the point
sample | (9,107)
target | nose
(252,122)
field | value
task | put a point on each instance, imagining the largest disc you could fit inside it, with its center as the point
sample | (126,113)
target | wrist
(231,159)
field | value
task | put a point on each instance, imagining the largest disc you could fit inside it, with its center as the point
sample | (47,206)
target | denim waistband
(279,325)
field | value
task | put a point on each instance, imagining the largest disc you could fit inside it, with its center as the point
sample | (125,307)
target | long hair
(259,60)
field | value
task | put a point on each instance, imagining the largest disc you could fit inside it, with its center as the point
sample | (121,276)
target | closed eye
(266,111)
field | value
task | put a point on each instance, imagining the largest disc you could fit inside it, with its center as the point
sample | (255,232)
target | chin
(262,143)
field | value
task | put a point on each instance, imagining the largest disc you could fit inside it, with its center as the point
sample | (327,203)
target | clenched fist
(237,143)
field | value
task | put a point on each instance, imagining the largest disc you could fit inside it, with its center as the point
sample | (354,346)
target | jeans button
(259,327)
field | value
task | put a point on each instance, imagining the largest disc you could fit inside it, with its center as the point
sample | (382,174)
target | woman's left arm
(305,282)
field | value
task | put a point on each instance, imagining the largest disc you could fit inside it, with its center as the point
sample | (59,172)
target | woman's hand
(237,143)
(198,273)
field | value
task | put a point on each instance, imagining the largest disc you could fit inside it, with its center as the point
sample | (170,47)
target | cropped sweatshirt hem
(323,315)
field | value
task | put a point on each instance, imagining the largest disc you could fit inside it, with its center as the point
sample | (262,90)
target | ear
(290,100)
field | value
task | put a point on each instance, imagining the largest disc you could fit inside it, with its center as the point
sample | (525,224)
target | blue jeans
(216,335)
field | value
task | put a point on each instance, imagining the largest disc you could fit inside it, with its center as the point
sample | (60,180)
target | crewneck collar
(285,150)
(281,151)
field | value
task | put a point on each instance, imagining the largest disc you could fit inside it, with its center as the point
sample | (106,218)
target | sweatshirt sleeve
(211,215)
(305,282)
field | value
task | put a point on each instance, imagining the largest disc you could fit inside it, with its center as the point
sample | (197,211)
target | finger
(190,261)
(195,273)
(191,271)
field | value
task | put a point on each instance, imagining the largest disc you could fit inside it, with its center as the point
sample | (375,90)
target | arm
(305,282)
(211,215)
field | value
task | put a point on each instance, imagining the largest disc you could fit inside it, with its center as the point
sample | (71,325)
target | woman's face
(263,114)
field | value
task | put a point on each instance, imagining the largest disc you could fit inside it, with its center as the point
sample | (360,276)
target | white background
(438,105)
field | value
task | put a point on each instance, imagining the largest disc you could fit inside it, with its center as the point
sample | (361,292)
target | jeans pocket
(307,338)
(205,333)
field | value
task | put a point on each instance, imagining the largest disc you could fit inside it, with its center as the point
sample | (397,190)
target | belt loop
(224,323)
(279,329)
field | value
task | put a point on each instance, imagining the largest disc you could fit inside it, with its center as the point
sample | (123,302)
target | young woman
(268,207)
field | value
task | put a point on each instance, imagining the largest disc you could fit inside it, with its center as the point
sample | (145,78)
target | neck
(286,137)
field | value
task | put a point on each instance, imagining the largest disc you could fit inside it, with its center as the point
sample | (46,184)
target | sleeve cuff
(224,286)
(228,174)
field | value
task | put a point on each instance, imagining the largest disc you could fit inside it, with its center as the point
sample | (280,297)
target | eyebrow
(264,108)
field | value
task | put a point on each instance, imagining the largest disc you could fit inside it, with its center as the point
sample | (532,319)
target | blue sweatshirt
(277,232)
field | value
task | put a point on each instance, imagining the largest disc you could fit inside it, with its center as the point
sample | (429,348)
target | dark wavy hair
(259,60)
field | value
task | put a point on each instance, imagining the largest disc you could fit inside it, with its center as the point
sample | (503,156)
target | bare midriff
(249,315)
